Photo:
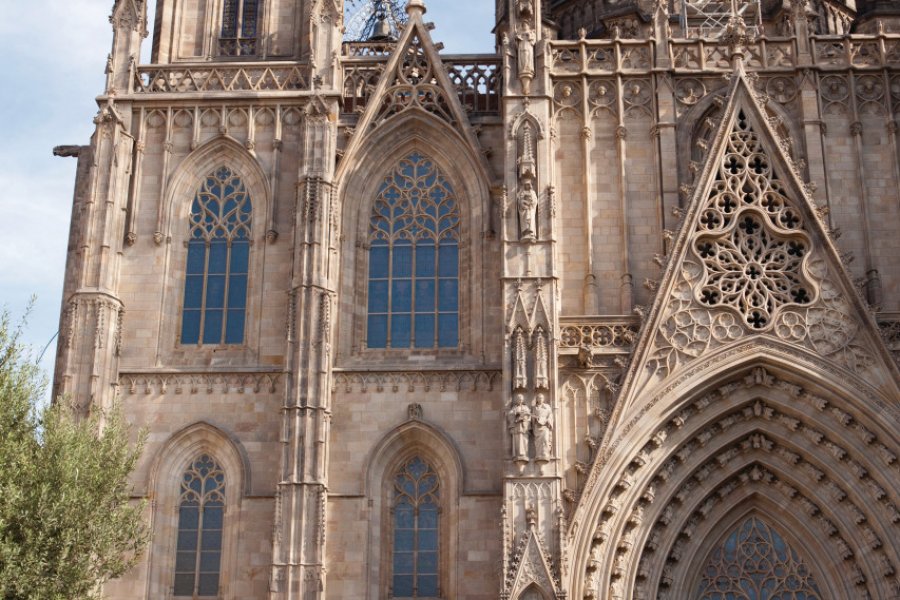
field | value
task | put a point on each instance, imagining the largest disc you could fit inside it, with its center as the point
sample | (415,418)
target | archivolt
(756,441)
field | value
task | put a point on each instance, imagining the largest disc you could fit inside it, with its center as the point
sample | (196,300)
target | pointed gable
(753,260)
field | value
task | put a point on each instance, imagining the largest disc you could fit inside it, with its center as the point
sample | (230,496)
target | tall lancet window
(239,25)
(201,512)
(756,563)
(218,260)
(414,259)
(416,515)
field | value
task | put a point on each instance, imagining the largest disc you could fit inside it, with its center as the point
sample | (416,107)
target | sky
(54,56)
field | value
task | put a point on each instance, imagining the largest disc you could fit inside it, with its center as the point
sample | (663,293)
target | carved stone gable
(532,566)
(753,259)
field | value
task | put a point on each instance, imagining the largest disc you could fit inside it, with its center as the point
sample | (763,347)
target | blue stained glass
(404,540)
(193,291)
(212,540)
(234,327)
(425,331)
(400,331)
(425,295)
(427,562)
(220,216)
(379,257)
(212,517)
(403,586)
(401,295)
(376,332)
(427,538)
(378,296)
(404,517)
(196,259)
(215,292)
(425,256)
(218,256)
(404,563)
(402,261)
(188,517)
(448,263)
(240,256)
(237,292)
(428,516)
(212,328)
(184,561)
(187,540)
(448,331)
(448,295)
(184,584)
(208,584)
(209,561)
(414,211)
(428,586)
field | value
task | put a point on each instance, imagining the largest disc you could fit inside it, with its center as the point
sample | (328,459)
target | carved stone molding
(198,383)
(414,381)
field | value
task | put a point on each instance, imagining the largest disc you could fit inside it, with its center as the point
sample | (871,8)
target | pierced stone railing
(598,335)
(601,56)
(477,78)
(221,77)
(711,55)
(857,51)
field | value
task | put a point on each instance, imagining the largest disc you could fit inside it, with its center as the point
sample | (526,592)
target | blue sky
(54,54)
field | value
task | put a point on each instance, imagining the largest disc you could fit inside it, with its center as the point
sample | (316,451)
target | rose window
(751,241)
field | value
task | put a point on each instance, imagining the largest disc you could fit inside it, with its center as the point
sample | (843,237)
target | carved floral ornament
(753,268)
(794,448)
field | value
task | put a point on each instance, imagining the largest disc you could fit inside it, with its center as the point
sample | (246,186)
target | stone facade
(678,306)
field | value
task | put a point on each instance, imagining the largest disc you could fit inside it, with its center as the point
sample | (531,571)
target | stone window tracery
(415,517)
(756,563)
(413,291)
(239,25)
(201,511)
(751,239)
(218,255)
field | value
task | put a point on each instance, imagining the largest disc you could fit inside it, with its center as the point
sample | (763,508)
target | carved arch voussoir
(840,464)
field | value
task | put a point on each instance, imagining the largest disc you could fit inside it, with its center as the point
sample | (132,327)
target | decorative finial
(416,7)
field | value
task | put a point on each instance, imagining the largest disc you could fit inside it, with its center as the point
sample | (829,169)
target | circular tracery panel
(751,241)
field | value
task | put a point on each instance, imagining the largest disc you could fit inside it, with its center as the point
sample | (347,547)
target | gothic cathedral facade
(612,313)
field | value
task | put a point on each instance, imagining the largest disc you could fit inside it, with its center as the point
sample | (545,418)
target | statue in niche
(520,371)
(527,202)
(518,421)
(542,424)
(525,47)
(541,379)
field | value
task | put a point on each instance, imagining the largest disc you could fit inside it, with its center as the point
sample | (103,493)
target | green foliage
(67,523)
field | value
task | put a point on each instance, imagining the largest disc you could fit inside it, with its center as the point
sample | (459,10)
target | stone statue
(518,421)
(520,371)
(542,423)
(525,49)
(527,201)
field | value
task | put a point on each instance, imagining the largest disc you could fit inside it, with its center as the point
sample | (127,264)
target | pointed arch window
(218,260)
(416,532)
(755,562)
(201,512)
(240,19)
(413,291)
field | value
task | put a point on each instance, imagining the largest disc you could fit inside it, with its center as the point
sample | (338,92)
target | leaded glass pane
(416,529)
(755,563)
(198,554)
(414,237)
(218,257)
